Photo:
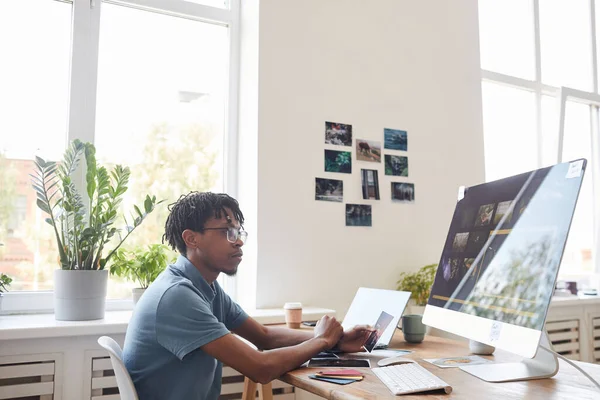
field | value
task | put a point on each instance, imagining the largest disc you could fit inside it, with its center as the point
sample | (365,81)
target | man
(179,334)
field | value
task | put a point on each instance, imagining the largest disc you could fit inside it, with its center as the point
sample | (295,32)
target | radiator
(30,376)
(104,383)
(564,336)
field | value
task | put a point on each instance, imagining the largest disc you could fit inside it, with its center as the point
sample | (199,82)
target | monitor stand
(543,365)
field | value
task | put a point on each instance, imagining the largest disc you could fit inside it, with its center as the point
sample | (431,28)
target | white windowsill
(558,301)
(38,326)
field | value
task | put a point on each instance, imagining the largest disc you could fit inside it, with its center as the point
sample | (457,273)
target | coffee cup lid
(292,306)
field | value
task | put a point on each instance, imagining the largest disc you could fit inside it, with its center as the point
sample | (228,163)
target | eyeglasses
(233,234)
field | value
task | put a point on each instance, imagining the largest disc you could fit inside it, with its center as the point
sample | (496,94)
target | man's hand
(353,340)
(330,329)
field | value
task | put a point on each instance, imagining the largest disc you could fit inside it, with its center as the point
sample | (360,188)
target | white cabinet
(45,359)
(573,325)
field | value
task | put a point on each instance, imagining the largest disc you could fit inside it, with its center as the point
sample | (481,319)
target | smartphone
(338,362)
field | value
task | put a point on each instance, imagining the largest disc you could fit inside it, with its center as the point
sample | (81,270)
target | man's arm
(265,366)
(267,338)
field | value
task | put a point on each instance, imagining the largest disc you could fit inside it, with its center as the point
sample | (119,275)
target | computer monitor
(499,264)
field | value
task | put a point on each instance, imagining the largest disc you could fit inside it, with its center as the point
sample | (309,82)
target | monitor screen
(505,244)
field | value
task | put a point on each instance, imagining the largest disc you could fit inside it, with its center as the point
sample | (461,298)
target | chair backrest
(124,382)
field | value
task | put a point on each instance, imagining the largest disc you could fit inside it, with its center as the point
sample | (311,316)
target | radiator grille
(104,383)
(564,336)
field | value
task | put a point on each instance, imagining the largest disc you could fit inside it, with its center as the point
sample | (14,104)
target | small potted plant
(141,265)
(419,285)
(5,282)
(84,222)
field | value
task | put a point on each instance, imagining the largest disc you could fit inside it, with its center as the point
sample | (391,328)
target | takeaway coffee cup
(293,315)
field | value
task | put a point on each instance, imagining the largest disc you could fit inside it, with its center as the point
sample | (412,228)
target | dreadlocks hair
(191,212)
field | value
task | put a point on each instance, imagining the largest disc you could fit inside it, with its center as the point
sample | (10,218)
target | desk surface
(567,384)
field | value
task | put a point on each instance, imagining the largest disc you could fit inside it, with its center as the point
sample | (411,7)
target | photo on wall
(370,184)
(395,139)
(396,165)
(338,134)
(329,189)
(338,161)
(403,192)
(368,150)
(358,215)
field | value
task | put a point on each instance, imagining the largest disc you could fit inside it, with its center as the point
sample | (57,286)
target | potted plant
(83,225)
(5,282)
(141,265)
(419,285)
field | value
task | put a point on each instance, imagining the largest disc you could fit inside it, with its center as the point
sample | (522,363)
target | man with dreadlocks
(180,332)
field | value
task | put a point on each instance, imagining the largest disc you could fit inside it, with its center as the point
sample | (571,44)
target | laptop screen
(505,245)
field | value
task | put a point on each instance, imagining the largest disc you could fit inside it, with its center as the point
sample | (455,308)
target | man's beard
(231,273)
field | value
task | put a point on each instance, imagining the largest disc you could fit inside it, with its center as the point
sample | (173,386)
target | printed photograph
(484,216)
(368,150)
(338,134)
(370,184)
(501,211)
(338,161)
(396,165)
(460,242)
(403,192)
(395,139)
(358,215)
(329,189)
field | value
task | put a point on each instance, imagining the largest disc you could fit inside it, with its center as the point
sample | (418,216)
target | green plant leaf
(43,206)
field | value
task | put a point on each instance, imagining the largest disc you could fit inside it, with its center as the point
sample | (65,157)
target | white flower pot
(136,294)
(79,295)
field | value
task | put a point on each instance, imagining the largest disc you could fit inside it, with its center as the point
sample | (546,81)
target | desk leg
(249,389)
(265,392)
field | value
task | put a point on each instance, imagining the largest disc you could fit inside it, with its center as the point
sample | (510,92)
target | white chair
(124,382)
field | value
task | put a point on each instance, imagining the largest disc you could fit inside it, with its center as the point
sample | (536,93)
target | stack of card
(339,376)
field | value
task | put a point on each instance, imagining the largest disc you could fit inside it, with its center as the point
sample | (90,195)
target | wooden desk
(567,384)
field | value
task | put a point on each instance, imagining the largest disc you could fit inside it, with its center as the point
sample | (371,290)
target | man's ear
(190,238)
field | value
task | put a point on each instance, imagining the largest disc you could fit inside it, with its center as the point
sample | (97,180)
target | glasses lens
(233,234)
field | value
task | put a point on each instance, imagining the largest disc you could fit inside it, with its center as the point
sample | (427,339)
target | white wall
(411,65)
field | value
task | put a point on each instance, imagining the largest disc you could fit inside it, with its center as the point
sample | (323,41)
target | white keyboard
(410,378)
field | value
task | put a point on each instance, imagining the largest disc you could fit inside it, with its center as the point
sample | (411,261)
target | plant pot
(79,295)
(136,294)
(1,296)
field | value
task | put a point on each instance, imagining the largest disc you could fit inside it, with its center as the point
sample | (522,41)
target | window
(537,75)
(154,98)
(34,77)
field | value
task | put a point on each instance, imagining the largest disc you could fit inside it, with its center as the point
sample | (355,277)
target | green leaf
(148,204)
(137,209)
(43,206)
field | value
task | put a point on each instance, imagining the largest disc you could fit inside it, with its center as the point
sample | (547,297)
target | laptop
(367,306)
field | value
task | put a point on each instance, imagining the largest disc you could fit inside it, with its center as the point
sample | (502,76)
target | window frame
(562,95)
(81,118)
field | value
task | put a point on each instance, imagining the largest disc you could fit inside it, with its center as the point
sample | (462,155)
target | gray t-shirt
(178,313)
